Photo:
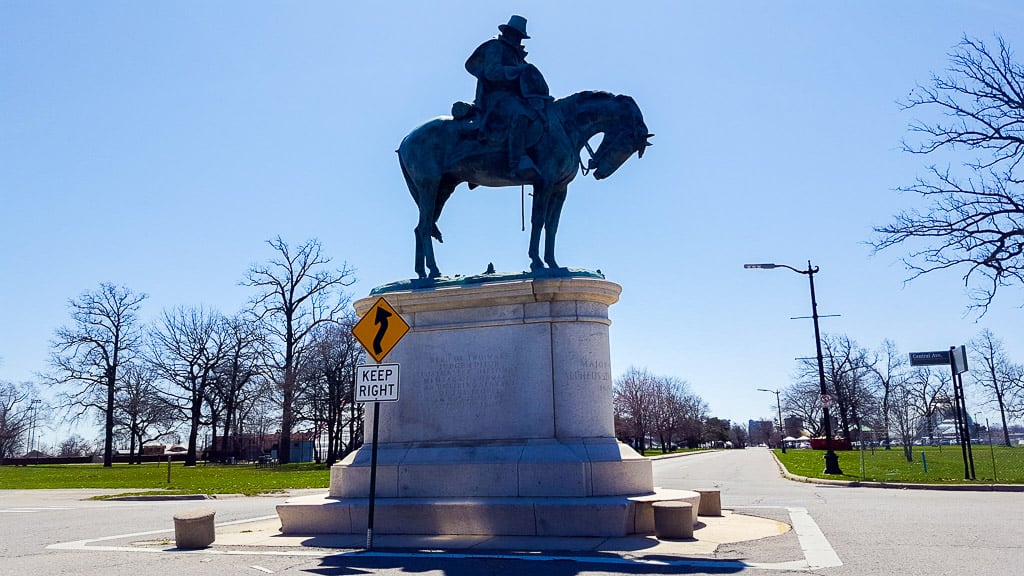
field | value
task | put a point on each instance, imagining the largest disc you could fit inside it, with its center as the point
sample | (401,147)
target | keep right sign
(376,383)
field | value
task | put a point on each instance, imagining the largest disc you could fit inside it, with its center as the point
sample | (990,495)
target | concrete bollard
(710,502)
(673,520)
(193,529)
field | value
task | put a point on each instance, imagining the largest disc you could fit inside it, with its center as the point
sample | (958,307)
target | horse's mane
(585,98)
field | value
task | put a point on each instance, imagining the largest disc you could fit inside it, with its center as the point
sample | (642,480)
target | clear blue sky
(158,145)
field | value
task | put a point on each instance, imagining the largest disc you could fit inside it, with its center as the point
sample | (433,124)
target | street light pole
(782,428)
(32,433)
(831,460)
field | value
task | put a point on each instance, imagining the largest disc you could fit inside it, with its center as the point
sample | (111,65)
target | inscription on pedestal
(592,370)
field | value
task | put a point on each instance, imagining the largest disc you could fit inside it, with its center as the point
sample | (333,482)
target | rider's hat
(517,23)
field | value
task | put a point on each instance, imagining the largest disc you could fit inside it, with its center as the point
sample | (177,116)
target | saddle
(492,129)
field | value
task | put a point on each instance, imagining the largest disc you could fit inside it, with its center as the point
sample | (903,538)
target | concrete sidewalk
(731,542)
(710,533)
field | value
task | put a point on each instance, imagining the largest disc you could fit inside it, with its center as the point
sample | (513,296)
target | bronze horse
(444,152)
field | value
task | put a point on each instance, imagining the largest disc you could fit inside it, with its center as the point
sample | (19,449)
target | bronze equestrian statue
(514,134)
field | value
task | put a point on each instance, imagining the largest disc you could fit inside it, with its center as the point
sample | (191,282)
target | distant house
(252,446)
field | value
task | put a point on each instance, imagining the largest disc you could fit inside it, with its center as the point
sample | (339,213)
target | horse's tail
(414,190)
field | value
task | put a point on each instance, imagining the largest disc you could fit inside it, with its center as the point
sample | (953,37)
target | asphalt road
(868,531)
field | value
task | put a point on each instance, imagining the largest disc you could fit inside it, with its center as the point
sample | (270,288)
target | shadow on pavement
(453,565)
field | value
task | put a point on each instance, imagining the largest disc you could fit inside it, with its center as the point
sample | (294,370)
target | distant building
(794,426)
(252,446)
(759,431)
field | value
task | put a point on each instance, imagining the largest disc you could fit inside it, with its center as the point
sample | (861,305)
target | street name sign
(380,329)
(939,358)
(376,383)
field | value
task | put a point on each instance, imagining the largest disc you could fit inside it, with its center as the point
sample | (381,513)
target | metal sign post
(956,359)
(373,478)
(378,331)
(375,383)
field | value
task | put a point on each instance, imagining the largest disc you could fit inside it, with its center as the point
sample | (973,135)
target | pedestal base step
(608,516)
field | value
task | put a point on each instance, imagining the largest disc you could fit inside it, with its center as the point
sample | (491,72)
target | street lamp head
(761,266)
(765,390)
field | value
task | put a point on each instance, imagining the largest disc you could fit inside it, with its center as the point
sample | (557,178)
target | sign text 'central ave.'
(938,358)
(376,383)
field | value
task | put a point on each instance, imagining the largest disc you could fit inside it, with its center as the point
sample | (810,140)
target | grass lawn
(139,478)
(945,465)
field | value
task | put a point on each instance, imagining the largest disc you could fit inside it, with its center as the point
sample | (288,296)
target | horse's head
(629,136)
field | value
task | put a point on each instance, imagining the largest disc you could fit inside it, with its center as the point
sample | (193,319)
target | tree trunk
(1006,431)
(108,429)
(131,442)
(193,432)
(284,443)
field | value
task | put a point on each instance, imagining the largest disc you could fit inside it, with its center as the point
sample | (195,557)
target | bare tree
(848,369)
(914,404)
(296,293)
(185,350)
(16,418)
(692,414)
(74,446)
(238,379)
(995,376)
(86,357)
(143,413)
(676,414)
(652,406)
(847,377)
(633,402)
(802,399)
(889,370)
(328,377)
(904,417)
(977,220)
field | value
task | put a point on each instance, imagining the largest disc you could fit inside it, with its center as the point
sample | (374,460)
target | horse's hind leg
(425,227)
(554,212)
(420,269)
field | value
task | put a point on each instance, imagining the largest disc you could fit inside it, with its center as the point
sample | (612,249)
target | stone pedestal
(504,425)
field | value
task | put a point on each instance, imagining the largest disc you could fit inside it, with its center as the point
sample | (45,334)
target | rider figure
(510,93)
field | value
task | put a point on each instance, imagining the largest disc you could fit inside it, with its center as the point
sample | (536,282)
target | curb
(680,454)
(169,497)
(896,485)
(158,497)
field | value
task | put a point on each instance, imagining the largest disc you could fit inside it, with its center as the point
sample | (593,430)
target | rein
(585,169)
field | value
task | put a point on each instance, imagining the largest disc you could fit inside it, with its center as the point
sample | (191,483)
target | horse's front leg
(537,217)
(554,212)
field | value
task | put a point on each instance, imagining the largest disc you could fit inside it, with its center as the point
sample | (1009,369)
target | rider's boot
(517,146)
